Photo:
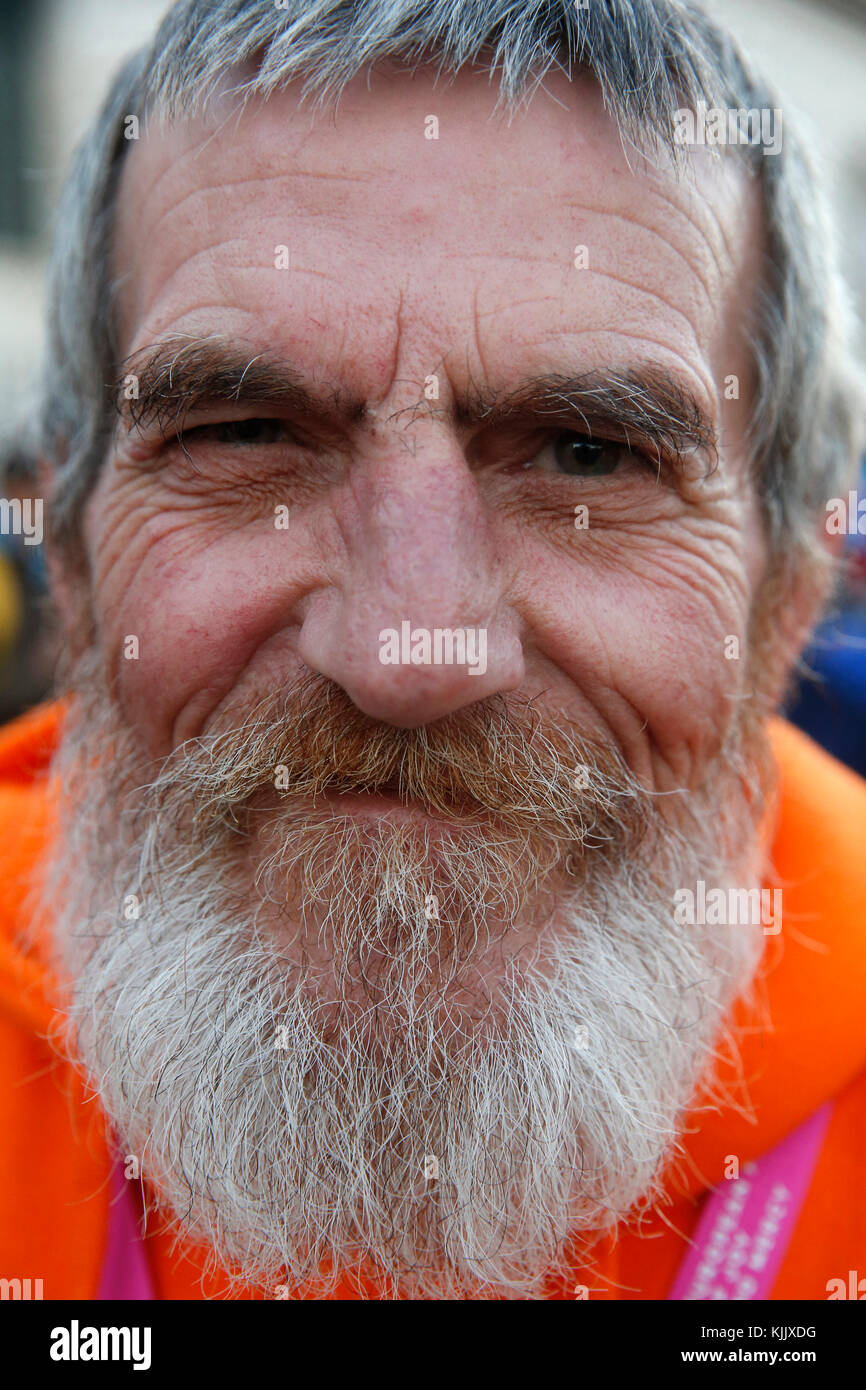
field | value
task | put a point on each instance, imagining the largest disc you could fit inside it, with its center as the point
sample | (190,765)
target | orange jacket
(55,1163)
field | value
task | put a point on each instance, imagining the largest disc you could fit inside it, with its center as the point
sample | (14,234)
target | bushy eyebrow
(171,380)
(646,405)
(642,404)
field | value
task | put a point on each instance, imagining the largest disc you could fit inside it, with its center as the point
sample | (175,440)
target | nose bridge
(419,624)
(425,540)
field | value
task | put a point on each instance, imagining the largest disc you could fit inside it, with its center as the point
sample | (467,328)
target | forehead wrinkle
(166,163)
(701,267)
(134,229)
(654,187)
(741,228)
(645,290)
(702,196)
(186,137)
(539,259)
(215,189)
(269,170)
(728,211)
(696,266)
(140,234)
(662,234)
(705,188)
(144,228)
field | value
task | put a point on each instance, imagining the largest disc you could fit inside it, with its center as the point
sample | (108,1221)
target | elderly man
(412,891)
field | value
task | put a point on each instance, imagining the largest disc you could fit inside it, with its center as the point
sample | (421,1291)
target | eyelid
(147,443)
(177,428)
(240,420)
(597,432)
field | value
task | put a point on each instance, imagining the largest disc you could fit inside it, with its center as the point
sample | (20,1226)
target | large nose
(416,625)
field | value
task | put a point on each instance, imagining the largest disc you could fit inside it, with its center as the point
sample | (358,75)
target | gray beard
(332,1079)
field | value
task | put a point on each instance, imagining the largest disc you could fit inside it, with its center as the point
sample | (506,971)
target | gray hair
(650,57)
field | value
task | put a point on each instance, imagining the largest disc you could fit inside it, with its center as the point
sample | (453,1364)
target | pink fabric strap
(125,1273)
(747,1223)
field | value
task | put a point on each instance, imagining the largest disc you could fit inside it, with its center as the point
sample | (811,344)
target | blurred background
(56,59)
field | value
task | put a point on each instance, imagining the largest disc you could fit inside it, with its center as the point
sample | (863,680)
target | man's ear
(792,605)
(831,544)
(66,568)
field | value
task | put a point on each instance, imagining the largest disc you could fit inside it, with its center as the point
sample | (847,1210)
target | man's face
(424,418)
(454,259)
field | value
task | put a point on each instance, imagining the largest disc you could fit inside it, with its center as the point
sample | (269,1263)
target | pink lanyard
(747,1223)
(125,1273)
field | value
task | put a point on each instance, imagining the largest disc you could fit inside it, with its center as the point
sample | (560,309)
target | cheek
(655,661)
(191,619)
(673,669)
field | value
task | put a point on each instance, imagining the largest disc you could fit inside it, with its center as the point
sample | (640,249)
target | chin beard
(447,1064)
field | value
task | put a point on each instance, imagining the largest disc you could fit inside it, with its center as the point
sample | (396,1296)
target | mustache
(498,760)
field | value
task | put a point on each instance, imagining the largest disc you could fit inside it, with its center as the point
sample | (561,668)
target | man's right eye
(250,433)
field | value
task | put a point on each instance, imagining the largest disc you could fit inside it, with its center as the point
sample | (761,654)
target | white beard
(285,1102)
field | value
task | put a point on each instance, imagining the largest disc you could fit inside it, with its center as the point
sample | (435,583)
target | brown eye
(578,456)
(582,457)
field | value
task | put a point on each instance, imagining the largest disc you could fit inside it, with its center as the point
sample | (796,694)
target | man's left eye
(578,456)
